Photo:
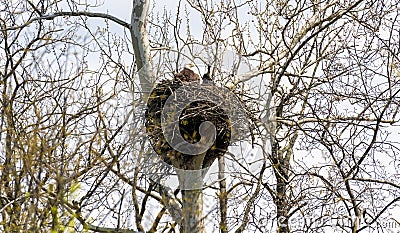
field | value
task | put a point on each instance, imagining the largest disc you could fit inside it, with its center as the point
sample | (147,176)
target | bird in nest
(187,74)
(207,79)
(190,120)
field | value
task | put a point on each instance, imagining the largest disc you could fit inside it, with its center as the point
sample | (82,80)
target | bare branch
(66,13)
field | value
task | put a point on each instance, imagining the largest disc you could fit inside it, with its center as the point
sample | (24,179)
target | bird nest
(193,115)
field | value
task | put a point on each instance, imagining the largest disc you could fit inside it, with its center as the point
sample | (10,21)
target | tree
(321,81)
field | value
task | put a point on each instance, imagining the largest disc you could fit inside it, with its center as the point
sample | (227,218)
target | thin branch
(68,13)
(290,122)
(377,181)
(250,203)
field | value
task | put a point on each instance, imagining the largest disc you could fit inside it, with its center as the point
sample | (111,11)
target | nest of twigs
(189,121)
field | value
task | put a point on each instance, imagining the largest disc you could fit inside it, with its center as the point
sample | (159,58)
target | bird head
(189,66)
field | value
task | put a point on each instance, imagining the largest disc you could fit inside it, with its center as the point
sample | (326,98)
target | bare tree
(321,88)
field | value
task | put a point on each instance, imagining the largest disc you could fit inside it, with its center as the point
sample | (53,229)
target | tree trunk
(191,183)
(281,169)
(282,206)
(223,200)
(192,207)
(192,210)
(141,45)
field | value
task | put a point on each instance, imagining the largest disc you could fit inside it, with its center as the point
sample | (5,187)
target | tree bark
(192,210)
(141,45)
(190,183)
(223,200)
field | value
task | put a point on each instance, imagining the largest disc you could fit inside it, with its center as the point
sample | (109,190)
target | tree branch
(141,44)
(67,13)
(310,24)
(291,122)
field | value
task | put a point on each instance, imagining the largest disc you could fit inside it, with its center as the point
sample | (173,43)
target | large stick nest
(189,121)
